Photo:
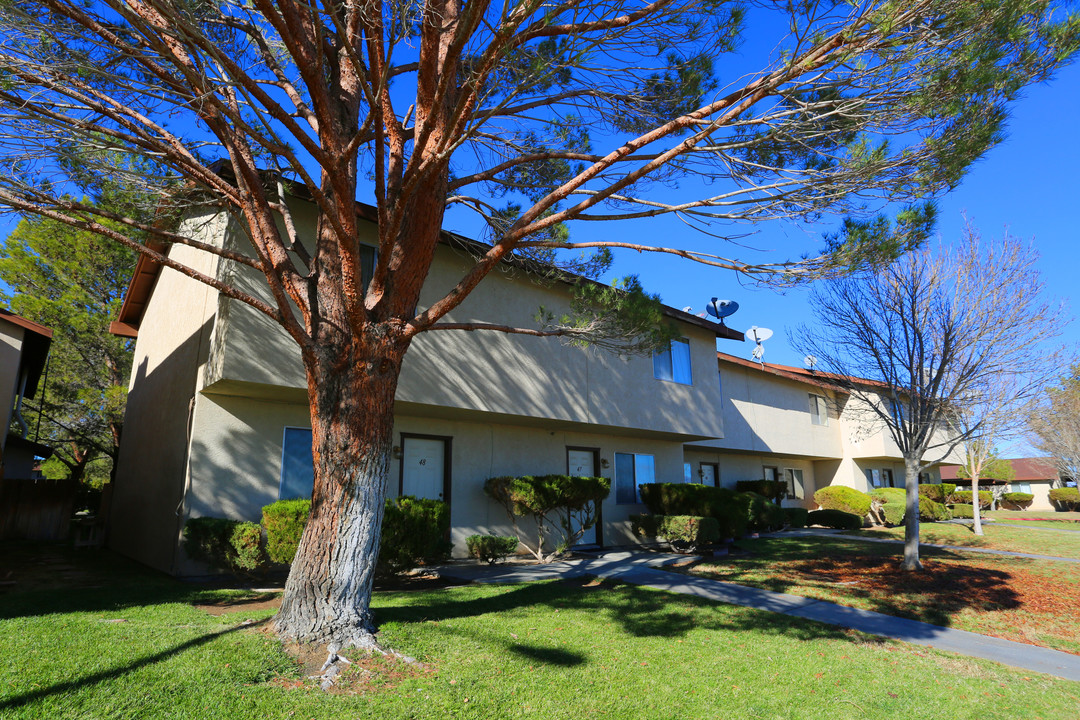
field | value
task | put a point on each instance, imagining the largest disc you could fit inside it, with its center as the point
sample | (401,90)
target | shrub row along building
(217,418)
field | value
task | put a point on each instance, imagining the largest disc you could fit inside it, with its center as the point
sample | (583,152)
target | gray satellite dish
(810,361)
(721,309)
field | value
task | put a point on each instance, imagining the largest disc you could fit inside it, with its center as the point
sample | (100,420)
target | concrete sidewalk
(640,568)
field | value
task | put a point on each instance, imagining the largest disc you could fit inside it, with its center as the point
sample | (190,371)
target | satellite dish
(721,309)
(759,334)
(810,361)
(688,309)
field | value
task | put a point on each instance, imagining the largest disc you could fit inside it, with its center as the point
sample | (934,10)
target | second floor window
(819,411)
(673,364)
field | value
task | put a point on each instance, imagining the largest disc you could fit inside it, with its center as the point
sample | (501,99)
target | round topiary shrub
(963,511)
(1018,500)
(931,511)
(845,499)
(1066,498)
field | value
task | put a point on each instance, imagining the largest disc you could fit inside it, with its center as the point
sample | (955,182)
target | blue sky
(1026,186)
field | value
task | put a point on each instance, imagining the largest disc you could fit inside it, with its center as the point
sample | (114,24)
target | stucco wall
(491,371)
(173,344)
(11,339)
(764,413)
(236,449)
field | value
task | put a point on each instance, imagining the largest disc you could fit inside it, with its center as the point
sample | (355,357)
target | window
(297,465)
(887,478)
(795,487)
(769,473)
(925,479)
(1024,487)
(674,363)
(873,478)
(819,411)
(687,473)
(367,263)
(632,471)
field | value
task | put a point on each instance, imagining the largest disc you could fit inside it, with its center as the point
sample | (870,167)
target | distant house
(1037,475)
(24,349)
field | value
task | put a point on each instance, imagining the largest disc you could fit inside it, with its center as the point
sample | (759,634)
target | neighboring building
(792,424)
(1037,476)
(24,349)
(217,417)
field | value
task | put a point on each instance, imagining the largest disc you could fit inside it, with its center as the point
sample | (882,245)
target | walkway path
(642,569)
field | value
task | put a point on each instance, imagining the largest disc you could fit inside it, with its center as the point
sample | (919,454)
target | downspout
(18,404)
(187,483)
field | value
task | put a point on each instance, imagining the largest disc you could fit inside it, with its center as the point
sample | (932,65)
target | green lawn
(1023,539)
(1030,601)
(1037,519)
(136,647)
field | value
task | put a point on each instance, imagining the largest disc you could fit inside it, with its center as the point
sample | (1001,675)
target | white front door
(423,468)
(708,474)
(582,463)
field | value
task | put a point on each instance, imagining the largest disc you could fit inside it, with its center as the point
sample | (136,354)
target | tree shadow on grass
(70,686)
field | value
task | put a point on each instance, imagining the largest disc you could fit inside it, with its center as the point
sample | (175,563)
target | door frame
(447,441)
(599,527)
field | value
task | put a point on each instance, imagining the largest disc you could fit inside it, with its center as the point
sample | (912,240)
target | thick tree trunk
(327,596)
(911,516)
(976,510)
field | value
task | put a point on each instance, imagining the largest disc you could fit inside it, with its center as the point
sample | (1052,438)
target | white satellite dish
(688,309)
(721,309)
(810,361)
(759,334)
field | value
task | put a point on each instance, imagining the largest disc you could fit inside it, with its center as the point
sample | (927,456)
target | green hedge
(964,496)
(415,531)
(932,511)
(835,519)
(722,504)
(963,510)
(1018,499)
(796,516)
(938,492)
(845,499)
(284,522)
(1066,498)
(894,505)
(682,532)
(232,545)
(490,548)
(775,490)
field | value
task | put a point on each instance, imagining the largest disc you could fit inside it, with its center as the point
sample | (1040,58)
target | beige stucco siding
(173,344)
(488,371)
(11,340)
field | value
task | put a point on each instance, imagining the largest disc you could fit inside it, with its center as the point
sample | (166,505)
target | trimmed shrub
(555,502)
(964,496)
(232,545)
(490,548)
(963,510)
(834,519)
(1066,498)
(761,515)
(845,499)
(931,511)
(775,490)
(775,517)
(1018,499)
(938,492)
(893,505)
(685,533)
(699,500)
(795,516)
(415,531)
(284,522)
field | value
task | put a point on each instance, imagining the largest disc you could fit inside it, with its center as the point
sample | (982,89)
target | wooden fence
(36,509)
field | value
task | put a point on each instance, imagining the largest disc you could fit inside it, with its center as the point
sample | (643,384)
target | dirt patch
(421,579)
(258,601)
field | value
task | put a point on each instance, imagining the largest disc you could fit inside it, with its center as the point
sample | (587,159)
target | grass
(139,646)
(1037,519)
(1024,540)
(1031,601)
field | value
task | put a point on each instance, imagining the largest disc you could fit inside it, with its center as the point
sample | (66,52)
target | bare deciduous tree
(1055,424)
(532,115)
(936,348)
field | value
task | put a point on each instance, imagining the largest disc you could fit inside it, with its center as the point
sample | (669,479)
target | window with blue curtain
(673,363)
(297,464)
